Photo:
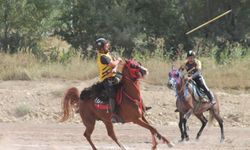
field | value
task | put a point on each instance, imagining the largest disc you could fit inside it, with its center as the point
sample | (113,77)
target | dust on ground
(29,113)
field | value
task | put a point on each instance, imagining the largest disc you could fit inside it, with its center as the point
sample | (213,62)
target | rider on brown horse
(193,67)
(107,65)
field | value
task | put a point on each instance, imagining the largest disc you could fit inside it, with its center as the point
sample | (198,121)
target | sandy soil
(29,112)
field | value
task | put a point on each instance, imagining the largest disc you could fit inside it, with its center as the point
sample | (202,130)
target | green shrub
(22,110)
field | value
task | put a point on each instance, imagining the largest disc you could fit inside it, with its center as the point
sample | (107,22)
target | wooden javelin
(206,23)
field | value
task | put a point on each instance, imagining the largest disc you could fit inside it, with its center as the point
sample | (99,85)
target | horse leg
(140,122)
(185,129)
(203,120)
(188,114)
(154,142)
(181,127)
(111,133)
(90,125)
(219,119)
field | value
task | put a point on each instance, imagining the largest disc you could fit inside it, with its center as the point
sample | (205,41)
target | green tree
(25,22)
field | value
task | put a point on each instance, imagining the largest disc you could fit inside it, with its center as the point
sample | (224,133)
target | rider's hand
(189,78)
(119,58)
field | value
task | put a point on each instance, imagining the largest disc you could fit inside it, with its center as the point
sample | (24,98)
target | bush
(22,110)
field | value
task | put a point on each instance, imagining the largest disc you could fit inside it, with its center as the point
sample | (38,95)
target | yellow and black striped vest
(105,71)
(192,68)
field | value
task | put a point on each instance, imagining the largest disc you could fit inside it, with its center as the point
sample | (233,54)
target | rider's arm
(109,62)
(198,67)
(182,67)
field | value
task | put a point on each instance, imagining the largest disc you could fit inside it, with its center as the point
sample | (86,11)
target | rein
(137,101)
(182,87)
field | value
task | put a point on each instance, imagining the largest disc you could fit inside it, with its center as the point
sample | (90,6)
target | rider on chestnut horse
(107,65)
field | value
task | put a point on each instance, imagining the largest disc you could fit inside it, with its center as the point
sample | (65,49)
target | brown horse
(131,107)
(187,104)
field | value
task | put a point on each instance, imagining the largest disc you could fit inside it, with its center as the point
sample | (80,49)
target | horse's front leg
(154,142)
(185,129)
(181,126)
(111,133)
(153,131)
(188,114)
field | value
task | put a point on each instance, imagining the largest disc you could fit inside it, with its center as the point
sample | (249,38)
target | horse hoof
(170,144)
(222,140)
(187,138)
(197,139)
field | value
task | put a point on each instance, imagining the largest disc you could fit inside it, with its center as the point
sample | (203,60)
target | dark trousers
(110,86)
(202,84)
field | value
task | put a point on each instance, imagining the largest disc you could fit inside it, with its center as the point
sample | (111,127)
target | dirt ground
(29,112)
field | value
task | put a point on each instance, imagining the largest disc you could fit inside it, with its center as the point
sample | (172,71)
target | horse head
(174,78)
(134,70)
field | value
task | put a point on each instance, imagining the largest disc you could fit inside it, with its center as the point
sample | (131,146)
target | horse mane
(97,89)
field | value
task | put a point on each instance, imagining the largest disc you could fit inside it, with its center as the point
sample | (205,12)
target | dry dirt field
(29,112)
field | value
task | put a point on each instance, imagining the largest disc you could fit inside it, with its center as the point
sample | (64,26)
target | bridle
(133,79)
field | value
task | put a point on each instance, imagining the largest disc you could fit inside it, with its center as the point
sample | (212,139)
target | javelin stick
(206,23)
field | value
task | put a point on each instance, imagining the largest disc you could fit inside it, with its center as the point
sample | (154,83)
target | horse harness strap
(136,101)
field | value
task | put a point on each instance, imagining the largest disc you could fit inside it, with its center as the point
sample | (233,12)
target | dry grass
(27,67)
(230,76)
(76,69)
(158,71)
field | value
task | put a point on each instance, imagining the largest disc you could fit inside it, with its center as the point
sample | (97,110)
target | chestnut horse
(187,104)
(130,109)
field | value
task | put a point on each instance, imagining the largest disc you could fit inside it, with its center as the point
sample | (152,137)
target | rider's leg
(111,89)
(202,84)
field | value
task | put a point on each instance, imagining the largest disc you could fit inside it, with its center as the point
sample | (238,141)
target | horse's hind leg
(203,120)
(90,125)
(111,133)
(142,123)
(154,142)
(220,121)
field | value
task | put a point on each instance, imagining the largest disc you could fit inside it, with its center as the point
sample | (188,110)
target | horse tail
(71,98)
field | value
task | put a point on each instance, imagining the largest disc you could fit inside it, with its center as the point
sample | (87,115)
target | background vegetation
(55,38)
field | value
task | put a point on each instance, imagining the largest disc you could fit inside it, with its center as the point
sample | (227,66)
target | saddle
(98,93)
(102,102)
(100,96)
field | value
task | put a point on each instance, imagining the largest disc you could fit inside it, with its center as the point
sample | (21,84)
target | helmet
(100,43)
(191,53)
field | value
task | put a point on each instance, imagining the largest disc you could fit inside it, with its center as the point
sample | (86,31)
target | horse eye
(133,66)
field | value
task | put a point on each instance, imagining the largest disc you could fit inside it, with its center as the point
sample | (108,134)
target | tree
(24,23)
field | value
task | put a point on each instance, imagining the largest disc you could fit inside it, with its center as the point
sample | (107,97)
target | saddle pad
(101,105)
(197,93)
